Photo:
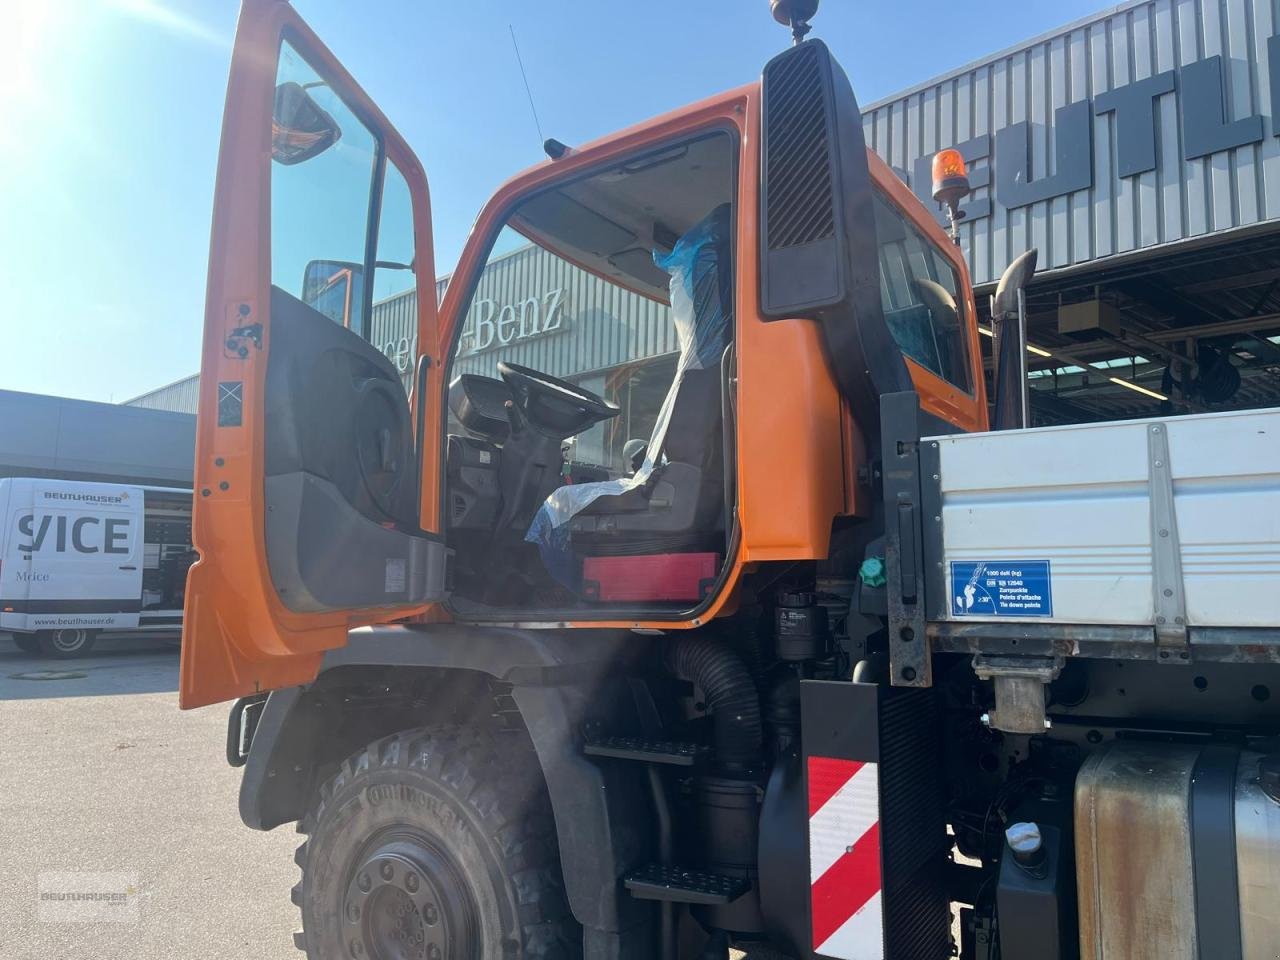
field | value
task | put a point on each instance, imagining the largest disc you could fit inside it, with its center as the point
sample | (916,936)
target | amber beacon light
(950,185)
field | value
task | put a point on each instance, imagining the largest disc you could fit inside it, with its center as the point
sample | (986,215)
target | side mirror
(334,288)
(300,127)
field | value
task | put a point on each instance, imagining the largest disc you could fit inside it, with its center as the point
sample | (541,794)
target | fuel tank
(1178,852)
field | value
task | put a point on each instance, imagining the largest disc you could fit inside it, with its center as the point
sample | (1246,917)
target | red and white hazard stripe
(844,859)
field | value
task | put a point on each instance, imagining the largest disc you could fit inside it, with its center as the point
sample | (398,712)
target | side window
(324,195)
(920,290)
(394,329)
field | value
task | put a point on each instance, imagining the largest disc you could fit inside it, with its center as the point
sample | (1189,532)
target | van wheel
(26,644)
(437,845)
(66,644)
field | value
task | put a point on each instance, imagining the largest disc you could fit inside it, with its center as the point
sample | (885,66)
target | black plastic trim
(323,554)
(861,350)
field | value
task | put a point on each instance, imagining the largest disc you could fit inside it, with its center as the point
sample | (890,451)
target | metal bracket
(1169,591)
(1019,687)
(910,655)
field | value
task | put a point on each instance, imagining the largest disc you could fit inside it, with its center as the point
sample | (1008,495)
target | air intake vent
(798,190)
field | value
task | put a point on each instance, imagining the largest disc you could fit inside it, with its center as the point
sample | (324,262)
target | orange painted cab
(529,437)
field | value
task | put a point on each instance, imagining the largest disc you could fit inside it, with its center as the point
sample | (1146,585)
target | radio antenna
(520,62)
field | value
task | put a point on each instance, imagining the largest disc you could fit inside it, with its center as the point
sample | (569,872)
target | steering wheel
(556,406)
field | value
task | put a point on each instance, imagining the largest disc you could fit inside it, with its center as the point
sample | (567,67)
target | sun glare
(27,50)
(31,29)
(158,14)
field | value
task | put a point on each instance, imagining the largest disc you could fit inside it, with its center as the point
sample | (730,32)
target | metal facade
(533,308)
(1148,124)
(181,396)
(557,318)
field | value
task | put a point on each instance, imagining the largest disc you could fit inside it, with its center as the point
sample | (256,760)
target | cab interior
(590,488)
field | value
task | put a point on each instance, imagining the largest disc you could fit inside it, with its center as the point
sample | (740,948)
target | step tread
(657,882)
(675,752)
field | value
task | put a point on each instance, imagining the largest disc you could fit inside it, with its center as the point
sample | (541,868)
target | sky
(110,115)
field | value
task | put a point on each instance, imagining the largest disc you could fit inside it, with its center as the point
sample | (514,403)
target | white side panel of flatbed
(1056,523)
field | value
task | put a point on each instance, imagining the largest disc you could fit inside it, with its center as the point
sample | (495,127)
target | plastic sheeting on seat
(703,325)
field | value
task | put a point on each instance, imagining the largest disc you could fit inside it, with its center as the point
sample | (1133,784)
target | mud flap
(876,826)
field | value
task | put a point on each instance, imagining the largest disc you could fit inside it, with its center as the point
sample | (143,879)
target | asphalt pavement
(120,837)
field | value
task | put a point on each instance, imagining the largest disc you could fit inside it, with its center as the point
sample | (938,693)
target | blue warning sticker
(1003,588)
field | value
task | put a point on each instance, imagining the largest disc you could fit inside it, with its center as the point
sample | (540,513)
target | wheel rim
(407,900)
(68,641)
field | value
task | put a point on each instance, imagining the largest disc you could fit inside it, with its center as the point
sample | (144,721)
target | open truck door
(309,516)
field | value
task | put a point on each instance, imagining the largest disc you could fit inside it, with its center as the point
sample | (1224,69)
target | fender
(602,814)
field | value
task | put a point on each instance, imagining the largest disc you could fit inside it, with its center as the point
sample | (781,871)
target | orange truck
(762,639)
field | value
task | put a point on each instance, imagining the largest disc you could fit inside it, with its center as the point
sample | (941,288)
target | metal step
(673,752)
(656,882)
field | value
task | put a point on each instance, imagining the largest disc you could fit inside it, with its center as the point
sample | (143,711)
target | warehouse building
(1137,150)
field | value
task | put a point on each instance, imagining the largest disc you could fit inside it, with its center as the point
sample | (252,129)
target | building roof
(44,436)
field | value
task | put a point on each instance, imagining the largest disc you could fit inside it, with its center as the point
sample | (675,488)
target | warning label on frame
(1004,588)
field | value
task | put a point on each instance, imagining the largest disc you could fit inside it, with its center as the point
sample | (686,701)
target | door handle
(907,550)
(129,567)
(387,454)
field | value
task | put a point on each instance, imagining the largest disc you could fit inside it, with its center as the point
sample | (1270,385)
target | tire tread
(496,775)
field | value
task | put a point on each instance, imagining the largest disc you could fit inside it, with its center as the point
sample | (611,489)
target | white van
(78,558)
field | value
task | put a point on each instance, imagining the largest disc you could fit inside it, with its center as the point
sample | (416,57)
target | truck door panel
(307,496)
(337,519)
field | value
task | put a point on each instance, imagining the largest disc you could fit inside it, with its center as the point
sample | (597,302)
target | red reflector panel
(658,576)
(844,859)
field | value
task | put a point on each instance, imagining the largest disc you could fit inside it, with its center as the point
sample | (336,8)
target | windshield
(571,288)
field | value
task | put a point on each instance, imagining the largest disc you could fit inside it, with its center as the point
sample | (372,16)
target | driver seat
(680,506)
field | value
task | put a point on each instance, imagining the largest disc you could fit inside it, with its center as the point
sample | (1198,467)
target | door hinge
(237,337)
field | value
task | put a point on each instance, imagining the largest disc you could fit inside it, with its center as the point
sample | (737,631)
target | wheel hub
(407,901)
(68,640)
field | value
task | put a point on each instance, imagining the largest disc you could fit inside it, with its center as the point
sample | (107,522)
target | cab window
(920,291)
(330,187)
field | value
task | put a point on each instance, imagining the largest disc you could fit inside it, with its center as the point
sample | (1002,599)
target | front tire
(434,845)
(66,644)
